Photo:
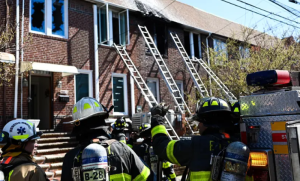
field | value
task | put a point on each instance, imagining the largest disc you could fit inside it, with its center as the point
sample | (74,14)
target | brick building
(75,37)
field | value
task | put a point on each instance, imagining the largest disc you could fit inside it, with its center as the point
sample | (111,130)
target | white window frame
(181,87)
(217,62)
(109,25)
(157,86)
(48,19)
(124,76)
(90,74)
(192,43)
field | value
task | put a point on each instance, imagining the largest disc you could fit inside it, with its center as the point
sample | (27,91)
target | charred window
(161,38)
(196,45)
(53,10)
(38,15)
(187,42)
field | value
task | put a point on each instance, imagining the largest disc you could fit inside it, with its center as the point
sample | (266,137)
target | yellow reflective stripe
(120,177)
(205,104)
(143,175)
(170,151)
(236,109)
(200,176)
(249,178)
(166,164)
(30,123)
(172,176)
(96,104)
(130,145)
(123,141)
(159,129)
(86,106)
(19,137)
(75,110)
(108,148)
(214,103)
(9,175)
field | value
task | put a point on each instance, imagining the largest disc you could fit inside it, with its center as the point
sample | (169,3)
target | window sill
(35,34)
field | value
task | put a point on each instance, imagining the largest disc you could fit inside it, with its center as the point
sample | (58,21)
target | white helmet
(21,130)
(85,108)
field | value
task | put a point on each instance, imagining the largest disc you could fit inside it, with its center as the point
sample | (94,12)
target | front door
(40,104)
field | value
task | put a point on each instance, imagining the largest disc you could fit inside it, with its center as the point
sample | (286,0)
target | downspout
(17,57)
(208,62)
(96,54)
(22,56)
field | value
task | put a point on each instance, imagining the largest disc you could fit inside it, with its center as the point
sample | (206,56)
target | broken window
(187,44)
(192,44)
(38,15)
(53,10)
(113,26)
(197,45)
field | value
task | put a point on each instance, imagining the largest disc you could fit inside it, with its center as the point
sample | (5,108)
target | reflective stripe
(172,176)
(205,104)
(9,175)
(200,176)
(8,160)
(249,178)
(123,141)
(96,104)
(236,109)
(130,145)
(214,103)
(75,110)
(120,177)
(108,148)
(19,137)
(159,129)
(170,151)
(86,106)
(166,164)
(30,123)
(143,175)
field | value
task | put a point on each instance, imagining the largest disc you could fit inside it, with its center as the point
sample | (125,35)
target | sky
(252,20)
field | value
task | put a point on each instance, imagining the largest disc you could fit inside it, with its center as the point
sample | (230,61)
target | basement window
(113,26)
(49,17)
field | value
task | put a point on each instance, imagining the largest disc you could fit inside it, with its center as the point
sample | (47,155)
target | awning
(7,57)
(66,70)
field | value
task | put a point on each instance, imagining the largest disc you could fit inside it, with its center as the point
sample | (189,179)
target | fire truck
(270,125)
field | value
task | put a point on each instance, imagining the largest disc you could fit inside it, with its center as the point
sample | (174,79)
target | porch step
(56,144)
(51,150)
(55,134)
(55,139)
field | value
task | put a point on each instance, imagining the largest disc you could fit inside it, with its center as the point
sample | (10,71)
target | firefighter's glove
(160,110)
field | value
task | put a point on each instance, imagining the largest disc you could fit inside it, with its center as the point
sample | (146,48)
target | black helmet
(120,124)
(145,130)
(215,112)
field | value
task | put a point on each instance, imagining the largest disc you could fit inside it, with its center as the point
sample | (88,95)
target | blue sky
(249,19)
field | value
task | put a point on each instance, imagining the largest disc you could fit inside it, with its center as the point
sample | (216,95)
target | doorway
(40,106)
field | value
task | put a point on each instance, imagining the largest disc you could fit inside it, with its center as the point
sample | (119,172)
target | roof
(186,15)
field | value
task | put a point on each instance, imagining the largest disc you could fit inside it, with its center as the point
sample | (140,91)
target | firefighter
(118,130)
(116,162)
(145,152)
(17,163)
(213,115)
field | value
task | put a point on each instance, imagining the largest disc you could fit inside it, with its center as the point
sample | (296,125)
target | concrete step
(49,158)
(52,150)
(56,144)
(56,139)
(47,166)
(55,134)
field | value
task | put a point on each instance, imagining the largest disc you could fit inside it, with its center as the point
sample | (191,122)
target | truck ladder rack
(143,86)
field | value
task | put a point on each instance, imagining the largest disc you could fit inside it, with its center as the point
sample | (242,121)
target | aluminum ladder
(189,63)
(146,92)
(164,71)
(211,73)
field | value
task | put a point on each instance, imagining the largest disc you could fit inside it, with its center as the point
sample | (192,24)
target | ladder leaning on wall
(146,92)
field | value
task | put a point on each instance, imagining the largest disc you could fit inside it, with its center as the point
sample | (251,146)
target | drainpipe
(22,56)
(96,54)
(208,62)
(17,58)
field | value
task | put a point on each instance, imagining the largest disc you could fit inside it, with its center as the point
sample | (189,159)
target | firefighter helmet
(215,112)
(20,130)
(145,129)
(120,124)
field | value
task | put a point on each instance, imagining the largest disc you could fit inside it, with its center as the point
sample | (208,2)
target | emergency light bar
(269,77)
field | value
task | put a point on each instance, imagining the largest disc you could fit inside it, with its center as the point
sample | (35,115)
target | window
(192,44)
(244,52)
(49,17)
(83,84)
(120,99)
(221,50)
(153,85)
(159,33)
(180,86)
(113,26)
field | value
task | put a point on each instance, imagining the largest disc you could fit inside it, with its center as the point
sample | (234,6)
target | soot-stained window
(58,17)
(38,15)
(49,17)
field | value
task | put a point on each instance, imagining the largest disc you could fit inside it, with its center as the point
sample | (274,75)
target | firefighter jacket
(119,135)
(126,164)
(195,153)
(143,151)
(28,171)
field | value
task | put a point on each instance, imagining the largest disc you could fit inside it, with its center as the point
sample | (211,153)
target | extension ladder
(142,86)
(189,63)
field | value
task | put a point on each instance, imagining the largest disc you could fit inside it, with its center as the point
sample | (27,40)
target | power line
(287,8)
(268,11)
(261,14)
